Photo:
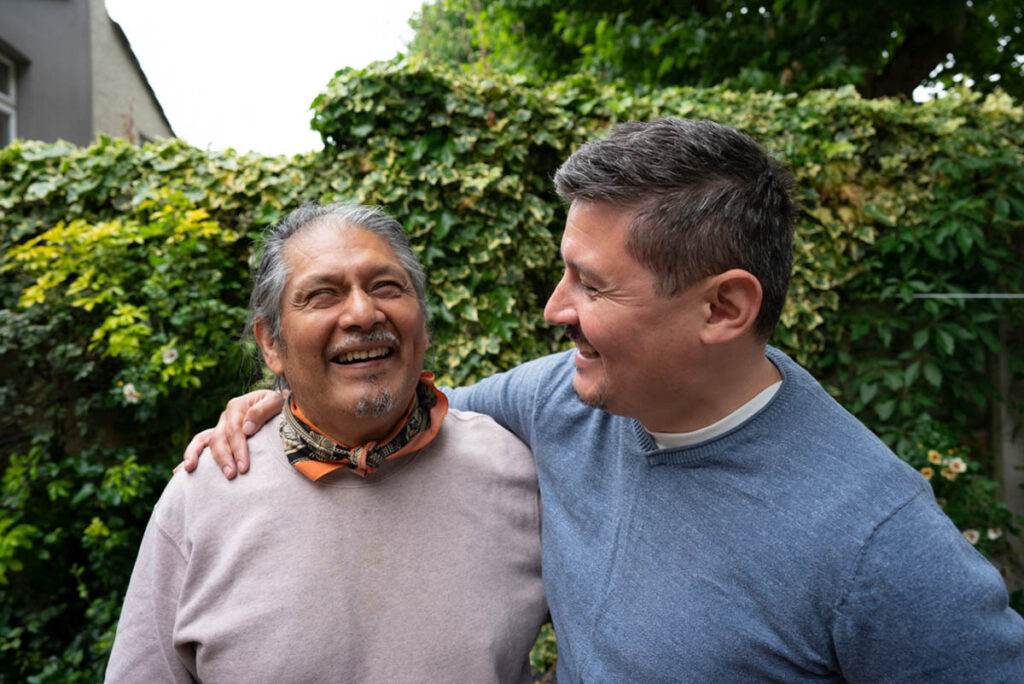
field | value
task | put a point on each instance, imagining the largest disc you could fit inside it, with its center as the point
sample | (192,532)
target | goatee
(375,403)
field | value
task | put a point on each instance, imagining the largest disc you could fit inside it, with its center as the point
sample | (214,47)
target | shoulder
(476,441)
(200,504)
(208,485)
(827,454)
(807,420)
(463,428)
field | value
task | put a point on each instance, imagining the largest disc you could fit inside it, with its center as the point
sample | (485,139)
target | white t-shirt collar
(669,440)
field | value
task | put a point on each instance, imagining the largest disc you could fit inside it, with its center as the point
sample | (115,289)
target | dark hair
(271,274)
(707,199)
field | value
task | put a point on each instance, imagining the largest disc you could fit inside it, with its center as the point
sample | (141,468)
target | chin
(594,398)
(376,404)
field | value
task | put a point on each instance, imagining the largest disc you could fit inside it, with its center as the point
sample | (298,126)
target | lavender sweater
(794,548)
(427,571)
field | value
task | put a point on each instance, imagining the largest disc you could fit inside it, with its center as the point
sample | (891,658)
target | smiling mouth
(363,355)
(583,346)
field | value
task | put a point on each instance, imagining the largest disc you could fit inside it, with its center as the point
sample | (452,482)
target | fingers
(242,418)
(262,410)
(194,448)
(223,448)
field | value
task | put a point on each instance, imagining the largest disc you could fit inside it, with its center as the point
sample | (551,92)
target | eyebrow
(584,272)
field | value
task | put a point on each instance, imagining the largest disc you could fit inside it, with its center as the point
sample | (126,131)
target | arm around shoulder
(242,418)
(512,397)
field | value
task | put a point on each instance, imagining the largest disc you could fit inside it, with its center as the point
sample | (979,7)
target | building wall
(54,86)
(122,104)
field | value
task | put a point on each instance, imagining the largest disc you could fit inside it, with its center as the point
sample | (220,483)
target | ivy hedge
(125,281)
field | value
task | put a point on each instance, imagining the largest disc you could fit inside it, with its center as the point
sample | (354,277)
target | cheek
(310,329)
(601,325)
(408,323)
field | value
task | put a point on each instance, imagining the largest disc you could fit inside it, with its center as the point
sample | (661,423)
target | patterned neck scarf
(314,454)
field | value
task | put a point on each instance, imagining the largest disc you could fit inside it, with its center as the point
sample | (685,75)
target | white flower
(994,533)
(972,536)
(170,356)
(131,395)
(957,465)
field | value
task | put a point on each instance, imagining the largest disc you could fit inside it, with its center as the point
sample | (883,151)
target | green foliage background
(884,48)
(125,281)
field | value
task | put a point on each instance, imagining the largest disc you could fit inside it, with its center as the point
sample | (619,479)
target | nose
(360,311)
(559,310)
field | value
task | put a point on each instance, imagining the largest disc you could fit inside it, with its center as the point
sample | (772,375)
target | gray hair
(707,199)
(271,274)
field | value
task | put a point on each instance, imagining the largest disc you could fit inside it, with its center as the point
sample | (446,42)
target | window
(8,101)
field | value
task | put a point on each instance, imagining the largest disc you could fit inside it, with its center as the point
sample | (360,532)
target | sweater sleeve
(925,606)
(143,648)
(512,397)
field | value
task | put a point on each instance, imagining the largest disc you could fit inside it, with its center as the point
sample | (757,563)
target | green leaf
(884,409)
(946,342)
(893,379)
(932,374)
(911,373)
(921,338)
(362,130)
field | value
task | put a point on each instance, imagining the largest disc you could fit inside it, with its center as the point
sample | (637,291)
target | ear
(733,300)
(273,355)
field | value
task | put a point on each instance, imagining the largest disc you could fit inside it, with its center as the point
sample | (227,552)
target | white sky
(242,73)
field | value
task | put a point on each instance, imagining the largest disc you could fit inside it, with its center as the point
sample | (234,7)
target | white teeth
(361,355)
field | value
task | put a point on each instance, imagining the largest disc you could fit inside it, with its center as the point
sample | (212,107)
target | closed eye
(321,298)
(389,288)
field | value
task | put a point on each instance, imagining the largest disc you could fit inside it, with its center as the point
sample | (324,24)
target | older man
(710,513)
(373,543)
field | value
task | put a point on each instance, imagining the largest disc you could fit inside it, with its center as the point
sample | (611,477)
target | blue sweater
(796,547)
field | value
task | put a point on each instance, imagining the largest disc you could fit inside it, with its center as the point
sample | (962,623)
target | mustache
(354,339)
(575,334)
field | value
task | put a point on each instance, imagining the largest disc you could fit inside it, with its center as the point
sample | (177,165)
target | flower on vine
(927,472)
(972,536)
(994,533)
(131,395)
(170,355)
(957,465)
(948,474)
(934,456)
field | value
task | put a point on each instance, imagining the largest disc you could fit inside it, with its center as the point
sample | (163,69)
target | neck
(729,377)
(353,430)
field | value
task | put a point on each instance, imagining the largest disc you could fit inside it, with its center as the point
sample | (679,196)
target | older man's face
(352,332)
